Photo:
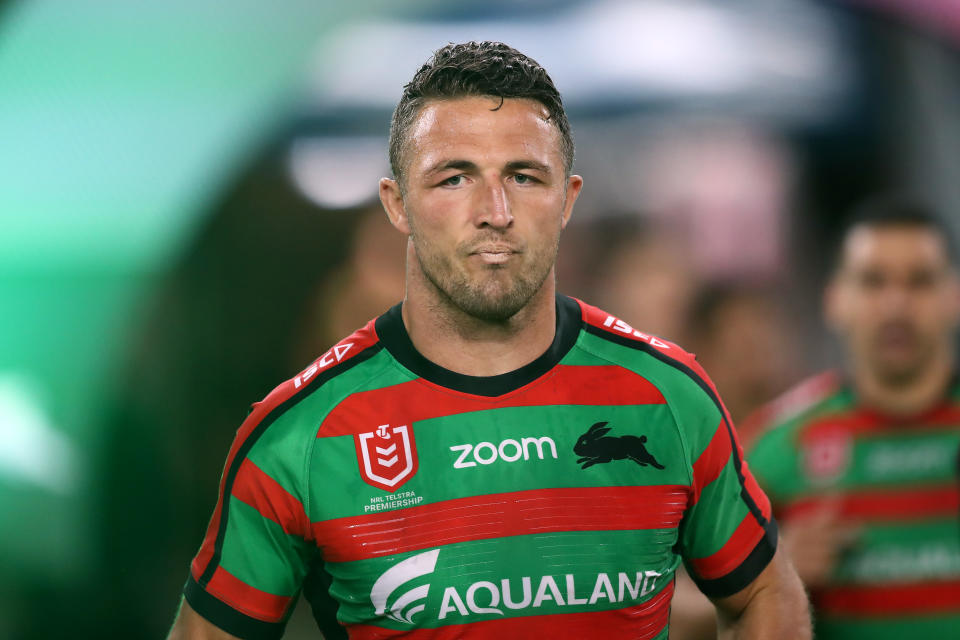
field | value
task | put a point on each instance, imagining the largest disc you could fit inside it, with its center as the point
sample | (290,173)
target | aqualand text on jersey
(405,500)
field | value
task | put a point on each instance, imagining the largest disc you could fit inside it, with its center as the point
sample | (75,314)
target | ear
(954,295)
(602,431)
(833,304)
(574,185)
(392,199)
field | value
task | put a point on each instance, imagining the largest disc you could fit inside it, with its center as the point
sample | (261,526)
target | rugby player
(860,463)
(488,458)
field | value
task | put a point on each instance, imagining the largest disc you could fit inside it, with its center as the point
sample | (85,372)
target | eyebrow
(444,165)
(467,165)
(527,164)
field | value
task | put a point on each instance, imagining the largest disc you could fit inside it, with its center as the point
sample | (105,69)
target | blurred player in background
(860,465)
(371,483)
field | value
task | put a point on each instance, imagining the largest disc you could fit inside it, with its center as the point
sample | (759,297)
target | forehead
(482,126)
(895,246)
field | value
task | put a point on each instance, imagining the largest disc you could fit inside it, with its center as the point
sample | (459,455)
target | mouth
(494,254)
(897,339)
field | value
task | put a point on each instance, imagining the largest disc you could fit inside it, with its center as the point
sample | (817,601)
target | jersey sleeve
(773,461)
(256,552)
(727,536)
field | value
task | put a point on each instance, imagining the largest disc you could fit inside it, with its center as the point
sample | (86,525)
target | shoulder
(651,352)
(347,355)
(795,407)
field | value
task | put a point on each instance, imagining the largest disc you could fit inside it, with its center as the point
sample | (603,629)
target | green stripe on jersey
(719,512)
(907,552)
(691,405)
(283,450)
(275,563)
(932,627)
(916,456)
(499,450)
(506,577)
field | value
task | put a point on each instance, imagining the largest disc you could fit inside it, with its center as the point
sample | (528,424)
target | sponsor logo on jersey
(619,325)
(496,597)
(331,357)
(387,456)
(595,447)
(409,603)
(827,457)
(509,450)
(907,460)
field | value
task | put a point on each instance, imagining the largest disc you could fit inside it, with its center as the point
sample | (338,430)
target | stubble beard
(903,374)
(493,296)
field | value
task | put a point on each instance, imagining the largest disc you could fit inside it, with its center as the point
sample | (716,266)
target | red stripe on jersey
(270,499)
(732,554)
(711,462)
(887,504)
(406,403)
(639,622)
(501,515)
(863,421)
(359,341)
(947,415)
(246,599)
(893,600)
(750,484)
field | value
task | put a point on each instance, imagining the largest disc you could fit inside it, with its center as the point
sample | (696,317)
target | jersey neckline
(393,335)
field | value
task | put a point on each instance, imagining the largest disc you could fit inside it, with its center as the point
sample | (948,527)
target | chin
(899,372)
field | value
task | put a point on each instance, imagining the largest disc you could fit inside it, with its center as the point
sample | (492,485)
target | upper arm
(190,625)
(258,547)
(727,535)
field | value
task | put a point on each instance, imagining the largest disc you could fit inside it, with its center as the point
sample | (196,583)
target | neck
(454,340)
(906,398)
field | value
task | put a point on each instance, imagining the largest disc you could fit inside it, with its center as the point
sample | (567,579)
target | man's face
(484,201)
(894,300)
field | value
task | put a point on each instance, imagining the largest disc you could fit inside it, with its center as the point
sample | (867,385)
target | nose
(493,210)
(896,300)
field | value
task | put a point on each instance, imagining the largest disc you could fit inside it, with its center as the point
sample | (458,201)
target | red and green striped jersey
(405,500)
(896,479)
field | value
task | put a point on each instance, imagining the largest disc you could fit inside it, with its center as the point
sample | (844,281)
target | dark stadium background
(187,218)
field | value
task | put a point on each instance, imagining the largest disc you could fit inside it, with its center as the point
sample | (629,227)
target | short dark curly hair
(895,209)
(477,69)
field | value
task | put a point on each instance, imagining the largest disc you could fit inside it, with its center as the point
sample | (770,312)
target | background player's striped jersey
(896,478)
(406,500)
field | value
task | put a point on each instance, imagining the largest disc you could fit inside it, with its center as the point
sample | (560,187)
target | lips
(494,253)
(493,257)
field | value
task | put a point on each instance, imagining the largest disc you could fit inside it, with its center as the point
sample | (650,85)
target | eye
(453,181)
(522,178)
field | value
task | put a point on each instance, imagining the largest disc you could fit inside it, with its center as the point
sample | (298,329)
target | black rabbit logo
(593,448)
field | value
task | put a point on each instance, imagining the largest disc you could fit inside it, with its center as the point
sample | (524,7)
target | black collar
(393,335)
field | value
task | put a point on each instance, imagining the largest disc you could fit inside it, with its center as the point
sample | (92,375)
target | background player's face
(894,300)
(485,199)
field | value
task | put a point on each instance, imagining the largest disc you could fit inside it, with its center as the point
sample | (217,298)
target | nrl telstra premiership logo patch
(387,456)
(397,576)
